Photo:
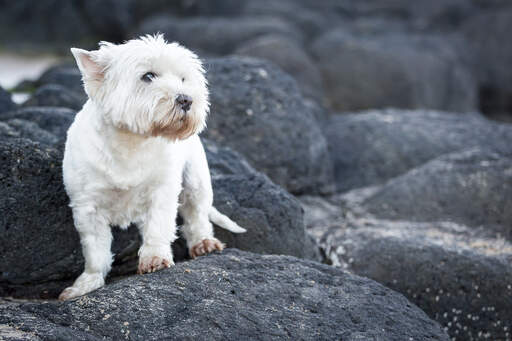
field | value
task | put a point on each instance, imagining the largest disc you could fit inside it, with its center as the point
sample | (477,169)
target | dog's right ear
(88,64)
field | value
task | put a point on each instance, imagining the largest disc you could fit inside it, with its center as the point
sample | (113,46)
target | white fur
(119,169)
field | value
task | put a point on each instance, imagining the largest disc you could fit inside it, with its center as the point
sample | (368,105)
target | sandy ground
(14,68)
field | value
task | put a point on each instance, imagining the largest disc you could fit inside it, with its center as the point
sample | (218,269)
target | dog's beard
(176,125)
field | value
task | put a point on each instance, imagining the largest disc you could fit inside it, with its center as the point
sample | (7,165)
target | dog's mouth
(177,124)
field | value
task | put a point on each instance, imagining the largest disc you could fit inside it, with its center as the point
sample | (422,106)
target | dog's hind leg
(196,203)
(96,238)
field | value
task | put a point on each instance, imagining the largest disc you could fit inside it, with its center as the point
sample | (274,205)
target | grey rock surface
(55,120)
(362,71)
(371,147)
(230,296)
(457,275)
(6,103)
(216,35)
(257,110)
(290,57)
(473,187)
(54,95)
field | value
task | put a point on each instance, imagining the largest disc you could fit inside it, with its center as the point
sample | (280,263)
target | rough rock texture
(399,70)
(371,147)
(6,102)
(54,95)
(458,276)
(290,57)
(258,111)
(473,187)
(216,35)
(32,131)
(233,296)
(40,247)
(52,119)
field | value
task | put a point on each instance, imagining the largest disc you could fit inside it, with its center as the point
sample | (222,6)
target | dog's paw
(205,246)
(152,264)
(84,284)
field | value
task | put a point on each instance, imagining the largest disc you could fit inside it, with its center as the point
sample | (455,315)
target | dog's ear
(88,64)
(91,69)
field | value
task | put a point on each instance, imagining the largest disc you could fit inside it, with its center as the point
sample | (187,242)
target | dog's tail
(223,221)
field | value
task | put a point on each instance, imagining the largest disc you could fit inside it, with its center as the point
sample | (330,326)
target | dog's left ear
(92,71)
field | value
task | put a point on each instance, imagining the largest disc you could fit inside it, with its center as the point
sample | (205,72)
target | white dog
(133,155)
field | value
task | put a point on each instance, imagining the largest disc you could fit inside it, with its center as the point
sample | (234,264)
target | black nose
(184,101)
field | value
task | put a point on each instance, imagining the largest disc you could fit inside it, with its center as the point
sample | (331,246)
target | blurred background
(349,55)
(386,122)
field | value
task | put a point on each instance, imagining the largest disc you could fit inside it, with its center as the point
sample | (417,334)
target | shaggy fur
(133,155)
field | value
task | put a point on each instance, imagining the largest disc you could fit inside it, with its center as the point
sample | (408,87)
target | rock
(272,217)
(52,119)
(233,295)
(6,131)
(6,102)
(47,23)
(457,276)
(216,36)
(40,247)
(488,34)
(472,187)
(290,57)
(258,111)
(32,131)
(393,70)
(111,20)
(371,147)
(53,95)
(67,76)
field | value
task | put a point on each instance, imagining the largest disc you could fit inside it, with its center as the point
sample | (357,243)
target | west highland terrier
(133,156)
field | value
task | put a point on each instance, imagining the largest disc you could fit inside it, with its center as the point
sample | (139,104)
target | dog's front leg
(158,231)
(96,238)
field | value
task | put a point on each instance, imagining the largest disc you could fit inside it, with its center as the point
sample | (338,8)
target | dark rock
(457,276)
(45,22)
(65,75)
(52,119)
(6,102)
(217,36)
(272,217)
(290,57)
(488,34)
(53,95)
(6,131)
(473,187)
(230,296)
(399,70)
(258,111)
(180,8)
(40,246)
(110,19)
(32,131)
(372,147)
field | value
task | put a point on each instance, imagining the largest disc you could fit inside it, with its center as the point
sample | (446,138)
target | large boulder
(371,147)
(230,296)
(40,247)
(488,34)
(217,35)
(6,103)
(289,56)
(473,187)
(55,120)
(392,70)
(257,110)
(54,95)
(458,276)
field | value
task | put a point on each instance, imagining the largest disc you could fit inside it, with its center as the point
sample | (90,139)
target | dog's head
(147,86)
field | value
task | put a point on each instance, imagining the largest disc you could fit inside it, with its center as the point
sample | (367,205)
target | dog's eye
(183,79)
(148,77)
